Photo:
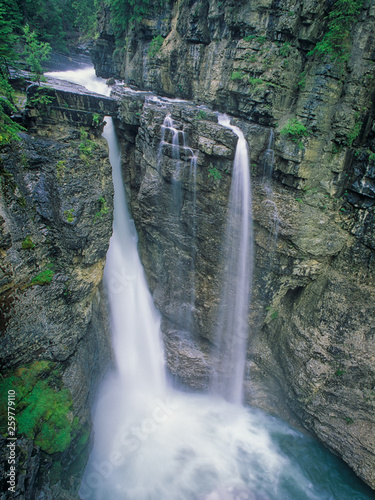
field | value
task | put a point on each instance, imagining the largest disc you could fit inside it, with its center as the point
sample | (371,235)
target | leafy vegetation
(236,75)
(155,45)
(86,146)
(295,131)
(214,173)
(28,243)
(36,52)
(69,215)
(354,132)
(43,278)
(103,208)
(126,12)
(285,49)
(336,41)
(42,405)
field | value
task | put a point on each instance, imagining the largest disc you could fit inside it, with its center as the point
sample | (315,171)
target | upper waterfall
(232,330)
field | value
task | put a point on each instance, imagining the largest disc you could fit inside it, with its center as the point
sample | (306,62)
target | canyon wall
(309,122)
(56,221)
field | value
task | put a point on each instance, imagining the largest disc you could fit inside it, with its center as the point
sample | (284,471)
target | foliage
(302,79)
(202,115)
(9,20)
(87,146)
(103,208)
(295,131)
(155,45)
(85,18)
(96,119)
(40,100)
(214,173)
(354,132)
(336,41)
(236,75)
(28,243)
(255,81)
(285,49)
(274,313)
(43,278)
(69,215)
(36,52)
(126,12)
(42,405)
(8,128)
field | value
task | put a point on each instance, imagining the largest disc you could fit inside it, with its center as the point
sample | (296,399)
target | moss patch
(43,406)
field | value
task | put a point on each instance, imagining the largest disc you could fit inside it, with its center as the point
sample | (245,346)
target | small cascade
(232,330)
(269,203)
(183,181)
(268,159)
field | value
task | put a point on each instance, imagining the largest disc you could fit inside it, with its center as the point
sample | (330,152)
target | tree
(9,21)
(36,52)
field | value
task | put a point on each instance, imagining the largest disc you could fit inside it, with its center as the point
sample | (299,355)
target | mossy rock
(43,406)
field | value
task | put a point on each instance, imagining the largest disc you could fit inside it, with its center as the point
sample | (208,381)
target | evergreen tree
(36,52)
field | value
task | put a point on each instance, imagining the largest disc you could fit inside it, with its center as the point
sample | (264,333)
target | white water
(232,330)
(269,203)
(183,182)
(153,443)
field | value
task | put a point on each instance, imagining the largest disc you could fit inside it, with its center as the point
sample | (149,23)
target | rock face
(309,121)
(56,220)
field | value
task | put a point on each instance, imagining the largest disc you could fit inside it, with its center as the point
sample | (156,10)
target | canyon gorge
(309,122)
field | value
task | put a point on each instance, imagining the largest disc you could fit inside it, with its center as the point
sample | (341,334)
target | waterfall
(232,330)
(268,159)
(269,203)
(154,443)
(139,355)
(182,177)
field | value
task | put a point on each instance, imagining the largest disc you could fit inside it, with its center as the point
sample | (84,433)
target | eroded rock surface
(310,356)
(56,221)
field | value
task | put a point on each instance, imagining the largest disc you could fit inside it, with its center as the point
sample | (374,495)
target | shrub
(27,243)
(103,208)
(336,41)
(155,46)
(43,278)
(42,405)
(295,131)
(236,75)
(214,173)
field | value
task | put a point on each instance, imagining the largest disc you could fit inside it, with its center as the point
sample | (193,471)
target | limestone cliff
(56,220)
(311,354)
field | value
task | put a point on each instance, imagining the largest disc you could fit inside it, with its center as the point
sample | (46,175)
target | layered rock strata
(310,356)
(56,221)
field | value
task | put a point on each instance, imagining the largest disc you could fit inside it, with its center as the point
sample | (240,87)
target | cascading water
(232,330)
(182,175)
(269,202)
(153,443)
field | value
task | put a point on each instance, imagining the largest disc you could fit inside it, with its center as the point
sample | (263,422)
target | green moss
(295,131)
(354,132)
(28,243)
(255,81)
(42,405)
(55,472)
(69,215)
(155,46)
(236,75)
(43,278)
(214,173)
(285,49)
(103,208)
(337,39)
